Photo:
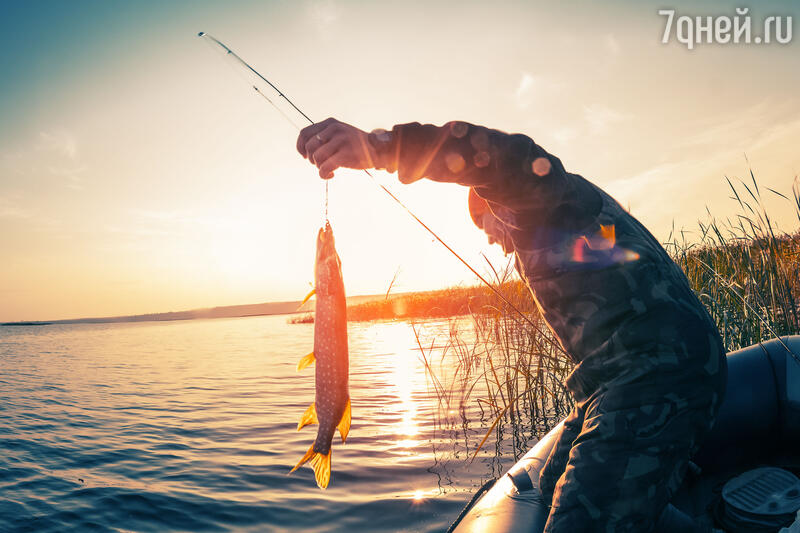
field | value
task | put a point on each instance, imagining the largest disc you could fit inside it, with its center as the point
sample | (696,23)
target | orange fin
(309,417)
(344,423)
(322,468)
(309,454)
(321,465)
(308,296)
(306,361)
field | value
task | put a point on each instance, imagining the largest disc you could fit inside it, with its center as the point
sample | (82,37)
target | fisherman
(650,367)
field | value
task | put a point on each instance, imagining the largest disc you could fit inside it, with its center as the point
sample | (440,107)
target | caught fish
(331,407)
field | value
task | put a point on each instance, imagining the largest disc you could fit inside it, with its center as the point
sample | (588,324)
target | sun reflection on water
(406,380)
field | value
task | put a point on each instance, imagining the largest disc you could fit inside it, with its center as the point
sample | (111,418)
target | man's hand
(332,144)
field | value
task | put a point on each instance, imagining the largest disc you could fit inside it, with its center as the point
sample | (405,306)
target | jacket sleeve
(526,187)
(618,304)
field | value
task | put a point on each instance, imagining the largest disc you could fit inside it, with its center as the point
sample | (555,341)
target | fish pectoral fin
(306,361)
(321,465)
(344,423)
(308,296)
(309,417)
(309,454)
(322,469)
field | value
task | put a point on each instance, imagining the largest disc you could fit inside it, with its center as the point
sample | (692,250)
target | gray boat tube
(759,416)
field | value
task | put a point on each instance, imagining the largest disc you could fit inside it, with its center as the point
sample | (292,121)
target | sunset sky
(139,173)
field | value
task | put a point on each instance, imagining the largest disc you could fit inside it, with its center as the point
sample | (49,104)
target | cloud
(531,86)
(153,222)
(323,13)
(138,231)
(693,174)
(59,141)
(746,129)
(600,117)
(611,45)
(70,174)
(59,148)
(565,134)
(13,210)
(637,187)
(144,226)
(10,210)
(162,216)
(525,84)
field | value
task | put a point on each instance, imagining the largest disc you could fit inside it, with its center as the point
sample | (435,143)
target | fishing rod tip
(201,34)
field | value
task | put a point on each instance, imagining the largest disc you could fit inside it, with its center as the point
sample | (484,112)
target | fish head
(328,266)
(326,245)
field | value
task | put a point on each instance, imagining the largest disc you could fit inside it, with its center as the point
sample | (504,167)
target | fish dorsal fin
(344,423)
(306,361)
(309,417)
(308,296)
(322,469)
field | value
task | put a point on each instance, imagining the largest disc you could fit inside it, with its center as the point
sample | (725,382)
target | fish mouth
(325,242)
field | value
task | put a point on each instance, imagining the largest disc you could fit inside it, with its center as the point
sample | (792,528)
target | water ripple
(191,426)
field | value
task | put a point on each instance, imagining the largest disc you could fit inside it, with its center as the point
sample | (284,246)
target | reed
(305,318)
(508,376)
(744,270)
(444,303)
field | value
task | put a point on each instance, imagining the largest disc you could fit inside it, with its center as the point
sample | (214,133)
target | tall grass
(505,370)
(745,272)
(509,371)
(444,303)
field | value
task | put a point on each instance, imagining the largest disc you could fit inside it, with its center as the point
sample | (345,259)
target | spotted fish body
(331,407)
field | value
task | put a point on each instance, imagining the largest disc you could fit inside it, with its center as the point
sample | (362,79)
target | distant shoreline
(229,311)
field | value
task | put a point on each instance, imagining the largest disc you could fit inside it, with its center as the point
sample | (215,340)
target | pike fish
(331,407)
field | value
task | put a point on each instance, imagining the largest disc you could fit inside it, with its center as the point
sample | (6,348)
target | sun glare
(406,379)
(403,373)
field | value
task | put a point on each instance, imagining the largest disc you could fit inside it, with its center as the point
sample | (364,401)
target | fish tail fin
(344,423)
(309,417)
(308,296)
(306,361)
(321,463)
(322,468)
(309,454)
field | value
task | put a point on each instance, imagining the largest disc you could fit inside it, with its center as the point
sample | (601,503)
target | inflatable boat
(744,478)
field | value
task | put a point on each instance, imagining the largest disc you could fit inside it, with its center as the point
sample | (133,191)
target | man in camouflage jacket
(650,367)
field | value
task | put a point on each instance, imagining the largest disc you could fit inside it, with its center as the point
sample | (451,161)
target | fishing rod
(244,63)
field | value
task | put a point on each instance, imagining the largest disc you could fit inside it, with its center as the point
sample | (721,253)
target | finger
(323,138)
(313,144)
(303,137)
(309,132)
(330,132)
(332,163)
(325,151)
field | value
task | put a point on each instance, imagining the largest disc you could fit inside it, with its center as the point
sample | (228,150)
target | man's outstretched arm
(526,187)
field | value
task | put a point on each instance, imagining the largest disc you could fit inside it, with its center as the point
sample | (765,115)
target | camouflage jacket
(621,308)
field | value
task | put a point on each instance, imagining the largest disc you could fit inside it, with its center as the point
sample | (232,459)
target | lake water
(191,426)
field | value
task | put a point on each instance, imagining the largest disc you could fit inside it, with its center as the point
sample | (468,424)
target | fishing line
(500,295)
(287,117)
